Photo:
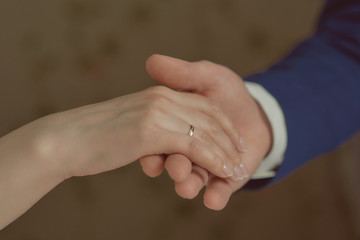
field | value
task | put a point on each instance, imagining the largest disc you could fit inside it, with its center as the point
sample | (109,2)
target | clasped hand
(152,125)
(226,90)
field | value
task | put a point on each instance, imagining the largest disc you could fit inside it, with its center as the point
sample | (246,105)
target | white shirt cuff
(276,118)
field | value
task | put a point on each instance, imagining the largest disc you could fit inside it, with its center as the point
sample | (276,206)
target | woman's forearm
(25,174)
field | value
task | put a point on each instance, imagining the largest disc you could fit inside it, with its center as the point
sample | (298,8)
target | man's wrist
(276,119)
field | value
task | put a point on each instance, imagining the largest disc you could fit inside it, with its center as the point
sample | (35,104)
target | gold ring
(191,131)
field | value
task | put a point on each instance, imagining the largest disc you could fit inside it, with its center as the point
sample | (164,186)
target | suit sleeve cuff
(276,118)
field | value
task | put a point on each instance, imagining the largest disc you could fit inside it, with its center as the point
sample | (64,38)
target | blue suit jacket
(318,86)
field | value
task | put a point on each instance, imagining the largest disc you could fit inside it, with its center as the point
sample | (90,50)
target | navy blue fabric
(318,86)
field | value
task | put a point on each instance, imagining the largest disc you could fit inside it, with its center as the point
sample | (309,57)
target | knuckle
(149,118)
(154,107)
(150,114)
(157,101)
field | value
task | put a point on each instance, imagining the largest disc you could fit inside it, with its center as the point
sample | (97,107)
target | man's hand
(226,90)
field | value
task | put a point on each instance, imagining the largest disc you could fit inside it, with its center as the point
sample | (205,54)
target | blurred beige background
(60,54)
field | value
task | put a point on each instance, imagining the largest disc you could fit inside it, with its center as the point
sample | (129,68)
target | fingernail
(238,174)
(241,172)
(227,170)
(241,145)
(244,169)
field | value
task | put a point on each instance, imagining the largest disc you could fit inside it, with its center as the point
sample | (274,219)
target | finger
(200,153)
(218,193)
(152,165)
(170,137)
(172,72)
(191,187)
(178,167)
(228,164)
(219,139)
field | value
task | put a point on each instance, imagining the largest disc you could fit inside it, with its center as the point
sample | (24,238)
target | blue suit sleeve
(318,86)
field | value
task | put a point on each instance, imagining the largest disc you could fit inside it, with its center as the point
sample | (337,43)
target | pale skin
(225,89)
(108,135)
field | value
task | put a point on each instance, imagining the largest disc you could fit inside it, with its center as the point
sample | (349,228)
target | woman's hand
(108,135)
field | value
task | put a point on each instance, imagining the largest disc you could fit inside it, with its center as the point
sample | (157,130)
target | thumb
(175,73)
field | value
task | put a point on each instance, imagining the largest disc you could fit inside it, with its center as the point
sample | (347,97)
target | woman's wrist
(45,149)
